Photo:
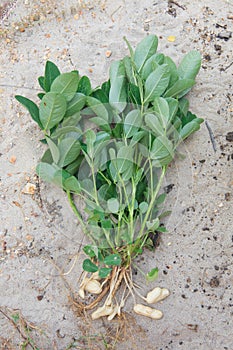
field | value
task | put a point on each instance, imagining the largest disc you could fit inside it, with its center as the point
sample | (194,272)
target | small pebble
(225,35)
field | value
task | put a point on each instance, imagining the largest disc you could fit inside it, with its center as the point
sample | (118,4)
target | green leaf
(190,65)
(184,106)
(133,122)
(89,266)
(172,70)
(61,131)
(137,137)
(129,47)
(31,107)
(161,198)
(47,157)
(60,177)
(88,250)
(143,206)
(180,88)
(156,83)
(113,205)
(161,229)
(144,50)
(100,95)
(161,109)
(76,104)
(90,140)
(134,94)
(152,275)
(69,150)
(189,129)
(129,70)
(118,92)
(113,259)
(106,87)
(51,73)
(102,123)
(41,95)
(153,224)
(150,65)
(54,150)
(104,272)
(173,107)
(73,167)
(41,82)
(162,149)
(97,107)
(84,86)
(66,84)
(52,110)
(46,171)
(153,122)
(72,184)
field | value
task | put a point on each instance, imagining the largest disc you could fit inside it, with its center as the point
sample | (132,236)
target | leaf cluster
(111,145)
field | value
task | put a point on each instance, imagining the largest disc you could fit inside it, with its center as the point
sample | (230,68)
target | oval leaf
(52,110)
(46,171)
(180,88)
(66,84)
(144,50)
(156,83)
(118,93)
(76,104)
(132,123)
(150,65)
(31,107)
(51,73)
(53,149)
(84,86)
(190,65)
(89,266)
(104,272)
(113,205)
(72,184)
(113,259)
(69,150)
(97,107)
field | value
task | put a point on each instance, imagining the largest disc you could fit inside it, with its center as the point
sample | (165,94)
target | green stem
(153,198)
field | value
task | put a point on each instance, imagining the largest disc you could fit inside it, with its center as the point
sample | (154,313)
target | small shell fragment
(108,53)
(29,188)
(148,311)
(101,312)
(93,287)
(157,294)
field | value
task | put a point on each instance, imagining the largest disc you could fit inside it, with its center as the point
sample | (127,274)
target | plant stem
(153,198)
(77,214)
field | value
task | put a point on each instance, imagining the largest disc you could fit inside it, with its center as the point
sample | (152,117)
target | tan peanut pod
(81,293)
(114,312)
(153,295)
(101,312)
(148,311)
(93,287)
(157,294)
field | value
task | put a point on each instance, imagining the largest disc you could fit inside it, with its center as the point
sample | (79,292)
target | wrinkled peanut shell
(101,312)
(157,294)
(148,311)
(93,287)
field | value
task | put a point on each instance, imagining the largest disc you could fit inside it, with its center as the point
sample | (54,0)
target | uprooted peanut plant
(111,146)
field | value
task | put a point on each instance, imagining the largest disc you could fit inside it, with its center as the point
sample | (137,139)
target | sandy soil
(40,264)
